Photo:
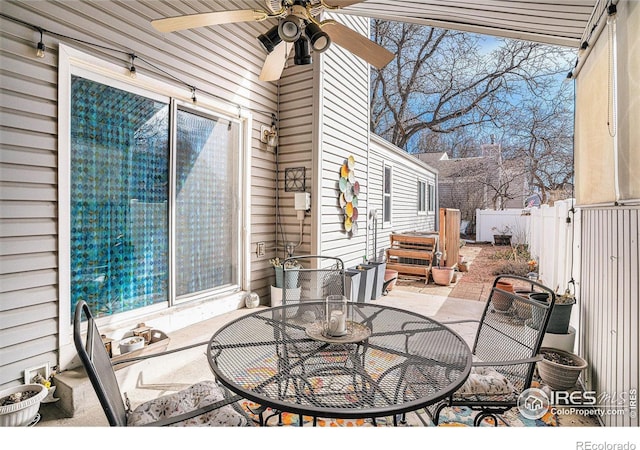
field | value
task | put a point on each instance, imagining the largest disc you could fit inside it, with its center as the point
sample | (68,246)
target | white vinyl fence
(552,234)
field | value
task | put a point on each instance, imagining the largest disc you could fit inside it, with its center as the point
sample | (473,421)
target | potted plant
(441,275)
(292,278)
(559,333)
(561,314)
(560,369)
(19,405)
(502,235)
(501,301)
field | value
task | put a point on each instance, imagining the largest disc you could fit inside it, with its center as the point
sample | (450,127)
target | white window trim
(422,212)
(74,62)
(387,223)
(431,212)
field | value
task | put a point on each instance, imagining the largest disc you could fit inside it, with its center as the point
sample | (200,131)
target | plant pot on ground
(442,275)
(501,301)
(559,369)
(19,405)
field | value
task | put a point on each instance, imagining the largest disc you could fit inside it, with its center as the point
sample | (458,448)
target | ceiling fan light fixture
(289,29)
(320,41)
(302,56)
(270,39)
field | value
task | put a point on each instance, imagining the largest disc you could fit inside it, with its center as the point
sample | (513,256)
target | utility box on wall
(302,201)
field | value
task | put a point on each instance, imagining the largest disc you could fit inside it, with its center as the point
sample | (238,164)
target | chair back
(312,278)
(512,326)
(97,363)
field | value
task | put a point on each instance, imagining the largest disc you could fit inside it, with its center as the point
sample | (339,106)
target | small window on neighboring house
(432,198)
(386,210)
(422,197)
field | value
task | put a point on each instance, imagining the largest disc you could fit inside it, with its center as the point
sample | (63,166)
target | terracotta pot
(389,275)
(502,302)
(442,275)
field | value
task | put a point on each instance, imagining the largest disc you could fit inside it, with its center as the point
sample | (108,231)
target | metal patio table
(406,363)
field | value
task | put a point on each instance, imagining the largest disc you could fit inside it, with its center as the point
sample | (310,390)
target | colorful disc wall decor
(348,195)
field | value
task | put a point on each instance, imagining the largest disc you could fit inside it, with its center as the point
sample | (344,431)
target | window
(154,213)
(206,224)
(422,195)
(432,198)
(386,208)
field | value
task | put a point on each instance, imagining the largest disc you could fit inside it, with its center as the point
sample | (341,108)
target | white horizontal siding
(345,125)
(406,171)
(222,62)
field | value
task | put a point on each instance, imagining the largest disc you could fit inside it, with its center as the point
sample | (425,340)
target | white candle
(337,323)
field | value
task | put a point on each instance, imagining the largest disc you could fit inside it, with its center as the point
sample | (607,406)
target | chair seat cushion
(485,381)
(194,397)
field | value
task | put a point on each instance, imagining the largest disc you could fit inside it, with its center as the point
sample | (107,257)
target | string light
(40,49)
(132,69)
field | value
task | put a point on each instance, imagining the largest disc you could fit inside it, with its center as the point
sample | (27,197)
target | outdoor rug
(455,416)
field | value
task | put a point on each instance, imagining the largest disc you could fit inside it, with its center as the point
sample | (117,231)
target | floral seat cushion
(194,397)
(485,381)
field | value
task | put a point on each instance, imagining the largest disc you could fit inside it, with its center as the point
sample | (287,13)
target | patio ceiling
(557,22)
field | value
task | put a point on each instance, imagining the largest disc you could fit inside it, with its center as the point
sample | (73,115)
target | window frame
(75,62)
(431,198)
(386,221)
(422,200)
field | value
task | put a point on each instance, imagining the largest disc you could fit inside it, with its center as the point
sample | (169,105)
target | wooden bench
(411,254)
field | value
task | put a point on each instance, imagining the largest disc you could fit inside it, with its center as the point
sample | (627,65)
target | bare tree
(541,132)
(442,93)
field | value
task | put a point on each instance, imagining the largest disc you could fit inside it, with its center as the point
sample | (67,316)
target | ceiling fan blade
(341,3)
(205,19)
(275,61)
(358,44)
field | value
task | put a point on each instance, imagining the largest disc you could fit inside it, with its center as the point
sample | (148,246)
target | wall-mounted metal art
(294,179)
(348,197)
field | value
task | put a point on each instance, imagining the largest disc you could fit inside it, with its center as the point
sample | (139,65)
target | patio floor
(148,379)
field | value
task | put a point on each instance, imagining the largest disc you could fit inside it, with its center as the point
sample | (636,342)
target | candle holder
(338,325)
(337,316)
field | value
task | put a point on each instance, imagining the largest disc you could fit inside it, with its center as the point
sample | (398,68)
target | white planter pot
(276,296)
(22,413)
(564,342)
(130,344)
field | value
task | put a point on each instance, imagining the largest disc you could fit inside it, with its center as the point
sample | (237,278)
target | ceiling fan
(297,28)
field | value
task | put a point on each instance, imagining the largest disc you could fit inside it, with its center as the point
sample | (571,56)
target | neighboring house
(403,191)
(478,182)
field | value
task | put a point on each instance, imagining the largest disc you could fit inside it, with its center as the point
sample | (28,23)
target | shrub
(519,268)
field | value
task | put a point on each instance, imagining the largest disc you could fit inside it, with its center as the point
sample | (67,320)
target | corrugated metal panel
(220,61)
(609,313)
(561,22)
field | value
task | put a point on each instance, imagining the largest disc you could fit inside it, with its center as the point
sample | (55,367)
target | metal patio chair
(505,350)
(306,279)
(204,403)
